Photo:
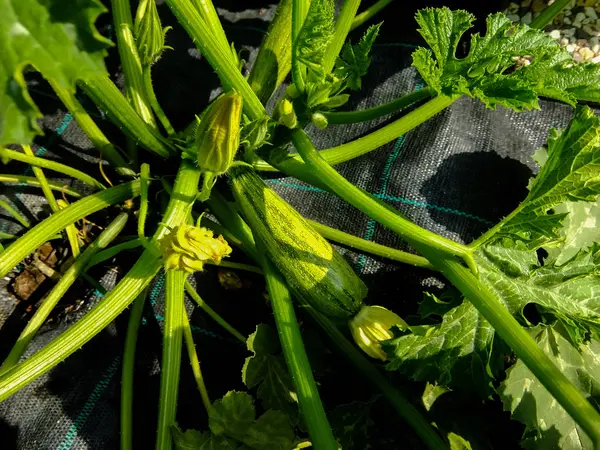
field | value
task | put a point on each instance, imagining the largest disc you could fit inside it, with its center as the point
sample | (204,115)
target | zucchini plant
(537,255)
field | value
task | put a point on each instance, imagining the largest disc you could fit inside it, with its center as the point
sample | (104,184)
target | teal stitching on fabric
(85,413)
(385,178)
(392,198)
(59,131)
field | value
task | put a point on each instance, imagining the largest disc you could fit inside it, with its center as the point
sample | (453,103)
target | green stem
(208,13)
(128,371)
(32,181)
(295,355)
(216,317)
(337,117)
(234,265)
(548,14)
(220,58)
(93,132)
(239,228)
(130,60)
(368,13)
(106,95)
(403,407)
(71,231)
(372,141)
(60,289)
(110,252)
(299,11)
(149,89)
(134,282)
(171,357)
(411,232)
(60,220)
(143,213)
(7,236)
(274,59)
(195,362)
(371,247)
(521,343)
(16,214)
(7,154)
(495,229)
(343,23)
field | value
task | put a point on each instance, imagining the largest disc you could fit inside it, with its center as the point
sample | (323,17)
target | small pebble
(564,41)
(526,3)
(513,8)
(595,60)
(590,12)
(567,21)
(555,34)
(570,32)
(513,17)
(586,21)
(527,18)
(577,57)
(579,17)
(586,53)
(570,48)
(581,43)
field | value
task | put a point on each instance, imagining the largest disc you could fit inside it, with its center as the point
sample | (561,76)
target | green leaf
(351,425)
(458,442)
(548,424)
(267,371)
(455,352)
(272,431)
(315,35)
(354,60)
(197,440)
(571,173)
(232,415)
(54,37)
(511,65)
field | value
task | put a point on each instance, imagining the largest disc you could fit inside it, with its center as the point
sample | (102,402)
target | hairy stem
(213,315)
(371,247)
(128,371)
(342,28)
(337,117)
(372,141)
(60,289)
(295,355)
(108,97)
(220,58)
(130,61)
(89,127)
(548,14)
(60,220)
(16,214)
(368,13)
(32,181)
(406,229)
(195,362)
(149,89)
(299,11)
(51,165)
(170,366)
(134,282)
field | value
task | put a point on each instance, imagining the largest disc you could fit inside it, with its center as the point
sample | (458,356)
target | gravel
(577,27)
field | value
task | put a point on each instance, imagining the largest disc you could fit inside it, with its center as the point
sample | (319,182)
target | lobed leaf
(511,65)
(56,39)
(547,424)
(354,60)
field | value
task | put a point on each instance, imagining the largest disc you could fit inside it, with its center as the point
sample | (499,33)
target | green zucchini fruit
(313,269)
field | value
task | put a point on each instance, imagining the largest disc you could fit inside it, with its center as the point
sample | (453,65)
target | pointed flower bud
(372,325)
(285,114)
(218,138)
(188,248)
(319,120)
(150,36)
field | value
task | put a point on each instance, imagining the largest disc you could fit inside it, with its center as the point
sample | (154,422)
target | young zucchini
(313,269)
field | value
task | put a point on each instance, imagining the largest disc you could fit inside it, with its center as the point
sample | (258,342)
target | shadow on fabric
(490,187)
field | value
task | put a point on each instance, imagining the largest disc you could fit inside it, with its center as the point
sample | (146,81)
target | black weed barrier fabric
(456,175)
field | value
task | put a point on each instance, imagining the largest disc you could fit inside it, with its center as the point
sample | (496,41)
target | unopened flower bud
(285,114)
(149,33)
(188,248)
(372,325)
(319,120)
(218,138)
